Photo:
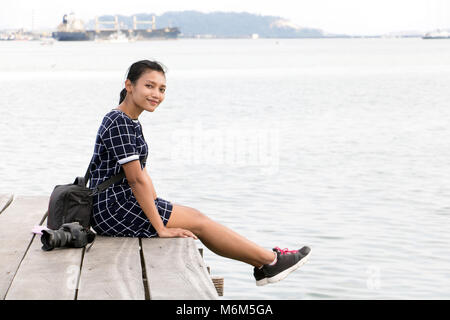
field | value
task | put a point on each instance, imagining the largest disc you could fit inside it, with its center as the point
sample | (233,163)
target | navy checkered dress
(116,211)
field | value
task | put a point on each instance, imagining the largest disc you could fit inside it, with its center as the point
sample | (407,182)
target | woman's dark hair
(137,69)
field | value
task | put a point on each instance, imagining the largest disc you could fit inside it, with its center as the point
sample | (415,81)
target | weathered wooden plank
(112,270)
(5,201)
(16,223)
(46,275)
(218,284)
(175,270)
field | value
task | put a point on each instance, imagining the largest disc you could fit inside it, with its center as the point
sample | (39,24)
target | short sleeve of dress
(120,140)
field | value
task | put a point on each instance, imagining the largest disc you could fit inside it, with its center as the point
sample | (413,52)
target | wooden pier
(112,269)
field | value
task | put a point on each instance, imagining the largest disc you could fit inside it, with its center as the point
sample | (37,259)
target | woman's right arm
(143,191)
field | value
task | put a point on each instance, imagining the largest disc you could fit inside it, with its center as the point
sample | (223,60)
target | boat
(7,37)
(71,29)
(438,34)
(47,41)
(135,32)
(116,37)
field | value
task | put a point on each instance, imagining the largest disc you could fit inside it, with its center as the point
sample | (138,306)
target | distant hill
(221,24)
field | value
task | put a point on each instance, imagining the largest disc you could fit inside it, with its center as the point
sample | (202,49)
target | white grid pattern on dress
(115,211)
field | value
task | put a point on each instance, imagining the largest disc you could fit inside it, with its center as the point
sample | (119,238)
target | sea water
(339,144)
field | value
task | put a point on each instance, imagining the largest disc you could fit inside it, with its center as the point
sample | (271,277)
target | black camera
(69,235)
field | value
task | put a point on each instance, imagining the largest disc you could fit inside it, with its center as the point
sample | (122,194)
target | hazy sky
(334,16)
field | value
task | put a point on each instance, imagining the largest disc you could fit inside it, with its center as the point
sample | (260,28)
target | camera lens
(54,239)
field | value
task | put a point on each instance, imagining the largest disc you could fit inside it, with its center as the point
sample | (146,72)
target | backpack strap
(87,175)
(105,184)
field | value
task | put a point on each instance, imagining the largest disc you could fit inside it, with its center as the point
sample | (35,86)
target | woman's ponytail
(123,94)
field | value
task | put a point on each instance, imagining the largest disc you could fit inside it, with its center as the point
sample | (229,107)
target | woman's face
(149,90)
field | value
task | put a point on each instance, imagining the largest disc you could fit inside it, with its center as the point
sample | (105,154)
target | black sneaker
(287,261)
(260,277)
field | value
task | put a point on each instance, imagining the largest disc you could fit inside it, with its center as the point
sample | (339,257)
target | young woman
(131,208)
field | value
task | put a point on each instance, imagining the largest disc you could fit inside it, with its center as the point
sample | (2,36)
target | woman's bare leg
(218,238)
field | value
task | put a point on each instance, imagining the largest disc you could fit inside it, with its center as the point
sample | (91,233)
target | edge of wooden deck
(5,201)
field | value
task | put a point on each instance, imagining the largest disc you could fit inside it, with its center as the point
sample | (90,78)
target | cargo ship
(71,29)
(438,34)
(107,28)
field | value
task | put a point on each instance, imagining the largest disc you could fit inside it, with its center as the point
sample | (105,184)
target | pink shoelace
(285,250)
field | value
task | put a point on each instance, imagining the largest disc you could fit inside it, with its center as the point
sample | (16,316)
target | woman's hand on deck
(176,233)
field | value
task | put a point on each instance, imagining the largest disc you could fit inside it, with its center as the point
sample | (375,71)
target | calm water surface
(339,144)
